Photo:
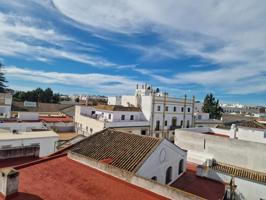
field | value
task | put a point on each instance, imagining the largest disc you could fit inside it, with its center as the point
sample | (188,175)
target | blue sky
(107,47)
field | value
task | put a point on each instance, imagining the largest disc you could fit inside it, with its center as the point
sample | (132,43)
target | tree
(3,80)
(211,106)
(77,99)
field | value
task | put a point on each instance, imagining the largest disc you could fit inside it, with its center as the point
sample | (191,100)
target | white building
(148,157)
(91,119)
(5,105)
(236,162)
(163,112)
(25,144)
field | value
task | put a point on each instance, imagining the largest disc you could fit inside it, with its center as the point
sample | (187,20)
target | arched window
(181,166)
(168,177)
(154,178)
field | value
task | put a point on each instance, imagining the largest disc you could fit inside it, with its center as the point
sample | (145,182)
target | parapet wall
(250,155)
(160,189)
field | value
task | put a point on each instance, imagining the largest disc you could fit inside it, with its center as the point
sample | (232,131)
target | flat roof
(202,187)
(27,135)
(52,119)
(63,178)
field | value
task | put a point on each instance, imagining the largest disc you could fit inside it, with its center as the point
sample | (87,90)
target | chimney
(9,179)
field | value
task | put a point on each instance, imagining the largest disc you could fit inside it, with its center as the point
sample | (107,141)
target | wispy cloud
(102,83)
(24,37)
(229,35)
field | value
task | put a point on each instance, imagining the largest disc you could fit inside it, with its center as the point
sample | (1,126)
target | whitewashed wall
(166,155)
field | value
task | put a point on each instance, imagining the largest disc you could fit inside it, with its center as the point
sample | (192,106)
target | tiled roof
(52,119)
(117,108)
(10,162)
(127,151)
(61,178)
(240,172)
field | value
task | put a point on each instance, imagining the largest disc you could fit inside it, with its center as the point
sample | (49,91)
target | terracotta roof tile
(117,108)
(240,172)
(127,151)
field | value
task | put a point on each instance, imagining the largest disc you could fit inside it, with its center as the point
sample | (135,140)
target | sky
(107,47)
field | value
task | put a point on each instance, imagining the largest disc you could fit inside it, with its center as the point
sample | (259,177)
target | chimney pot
(9,179)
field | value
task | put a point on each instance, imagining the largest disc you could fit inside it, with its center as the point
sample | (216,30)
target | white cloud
(102,83)
(229,34)
(19,36)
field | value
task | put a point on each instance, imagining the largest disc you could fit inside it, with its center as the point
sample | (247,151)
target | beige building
(91,119)
(5,105)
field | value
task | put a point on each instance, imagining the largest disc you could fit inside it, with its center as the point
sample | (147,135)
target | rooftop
(27,135)
(127,151)
(117,108)
(205,188)
(62,178)
(51,119)
(240,172)
(67,136)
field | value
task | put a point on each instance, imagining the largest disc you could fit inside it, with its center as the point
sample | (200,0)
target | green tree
(211,106)
(3,80)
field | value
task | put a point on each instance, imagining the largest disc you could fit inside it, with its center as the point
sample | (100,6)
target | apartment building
(91,119)
(163,112)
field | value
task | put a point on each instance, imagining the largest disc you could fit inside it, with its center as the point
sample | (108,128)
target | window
(87,128)
(158,108)
(168,175)
(143,132)
(92,112)
(131,117)
(91,130)
(174,109)
(187,123)
(165,123)
(166,108)
(181,123)
(182,109)
(122,117)
(188,109)
(157,128)
(181,166)
(109,116)
(174,120)
(154,178)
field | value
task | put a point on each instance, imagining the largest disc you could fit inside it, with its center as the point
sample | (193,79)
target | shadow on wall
(24,196)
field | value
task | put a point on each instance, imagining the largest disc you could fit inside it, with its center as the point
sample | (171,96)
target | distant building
(27,144)
(164,113)
(242,109)
(91,119)
(5,105)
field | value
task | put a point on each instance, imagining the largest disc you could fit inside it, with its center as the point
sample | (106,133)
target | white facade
(45,139)
(28,116)
(89,120)
(5,105)
(165,157)
(21,126)
(163,112)
(248,134)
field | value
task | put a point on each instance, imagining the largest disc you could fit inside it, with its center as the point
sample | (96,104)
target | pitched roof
(63,178)
(117,108)
(127,151)
(240,172)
